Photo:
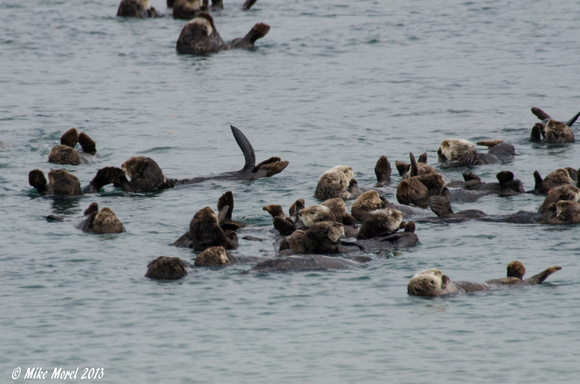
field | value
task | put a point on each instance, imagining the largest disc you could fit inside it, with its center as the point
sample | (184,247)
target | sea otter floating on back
(550,130)
(145,174)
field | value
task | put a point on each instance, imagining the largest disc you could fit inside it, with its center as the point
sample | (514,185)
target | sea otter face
(564,192)
(144,172)
(430,283)
(380,222)
(365,203)
(558,132)
(202,24)
(568,212)
(314,214)
(334,183)
(214,256)
(457,151)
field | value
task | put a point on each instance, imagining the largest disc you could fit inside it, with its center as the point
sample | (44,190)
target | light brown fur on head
(316,213)
(516,269)
(144,172)
(558,132)
(214,256)
(334,183)
(107,222)
(365,203)
(556,178)
(413,192)
(458,151)
(63,154)
(338,208)
(430,283)
(380,222)
(561,192)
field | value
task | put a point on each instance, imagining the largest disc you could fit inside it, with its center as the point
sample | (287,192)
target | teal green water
(333,83)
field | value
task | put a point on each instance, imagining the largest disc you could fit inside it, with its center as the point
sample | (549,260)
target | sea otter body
(432,282)
(205,232)
(101,222)
(200,37)
(60,182)
(146,175)
(136,8)
(337,182)
(167,268)
(463,152)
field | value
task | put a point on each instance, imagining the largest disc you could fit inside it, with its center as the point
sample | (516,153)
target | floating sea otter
(100,222)
(60,182)
(200,37)
(432,282)
(145,175)
(188,9)
(550,130)
(167,268)
(297,263)
(463,152)
(136,8)
(65,152)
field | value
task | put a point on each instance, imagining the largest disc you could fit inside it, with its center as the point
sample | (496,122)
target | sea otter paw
(87,144)
(70,138)
(37,179)
(248,4)
(272,166)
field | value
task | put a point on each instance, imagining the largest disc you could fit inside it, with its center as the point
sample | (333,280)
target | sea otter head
(457,151)
(431,283)
(166,268)
(380,222)
(568,212)
(63,182)
(107,222)
(213,256)
(565,192)
(144,173)
(315,213)
(335,183)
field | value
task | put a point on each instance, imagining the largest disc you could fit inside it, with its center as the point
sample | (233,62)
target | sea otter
(561,192)
(337,182)
(167,268)
(380,222)
(136,8)
(188,9)
(297,263)
(101,222)
(200,37)
(60,182)
(213,257)
(463,152)
(205,231)
(322,237)
(146,175)
(65,152)
(432,283)
(562,176)
(550,130)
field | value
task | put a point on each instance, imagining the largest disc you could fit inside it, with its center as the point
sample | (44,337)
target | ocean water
(333,83)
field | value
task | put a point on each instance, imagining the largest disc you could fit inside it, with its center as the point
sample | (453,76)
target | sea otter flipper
(105,176)
(542,276)
(246,147)
(504,177)
(538,130)
(383,170)
(257,32)
(440,205)
(573,120)
(540,114)
(225,200)
(270,167)
(70,138)
(248,4)
(185,241)
(274,210)
(87,144)
(539,181)
(414,170)
(37,179)
(489,143)
(283,225)
(422,158)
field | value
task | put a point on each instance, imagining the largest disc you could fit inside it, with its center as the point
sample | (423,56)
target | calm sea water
(333,83)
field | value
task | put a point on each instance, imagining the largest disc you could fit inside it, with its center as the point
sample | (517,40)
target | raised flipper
(246,147)
(414,170)
(270,167)
(283,225)
(542,276)
(413,192)
(274,210)
(87,144)
(541,114)
(383,170)
(489,143)
(296,207)
(539,186)
(468,176)
(248,4)
(70,138)
(37,179)
(422,158)
(225,206)
(105,176)
(538,131)
(573,120)
(441,206)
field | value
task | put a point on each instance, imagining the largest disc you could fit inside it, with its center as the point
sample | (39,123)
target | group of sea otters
(306,238)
